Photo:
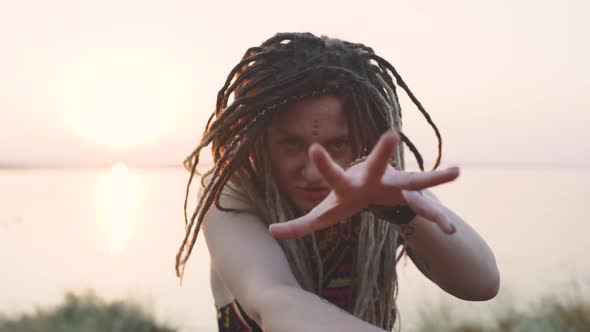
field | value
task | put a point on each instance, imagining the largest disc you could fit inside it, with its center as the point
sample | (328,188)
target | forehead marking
(314,127)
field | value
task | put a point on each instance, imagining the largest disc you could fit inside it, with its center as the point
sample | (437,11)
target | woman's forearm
(288,308)
(460,263)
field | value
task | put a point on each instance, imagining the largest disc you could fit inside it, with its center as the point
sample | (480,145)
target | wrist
(399,214)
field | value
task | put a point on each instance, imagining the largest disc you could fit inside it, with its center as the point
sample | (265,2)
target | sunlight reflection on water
(60,228)
(119,207)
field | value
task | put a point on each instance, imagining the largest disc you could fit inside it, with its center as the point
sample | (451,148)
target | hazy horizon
(101,101)
(148,165)
(117,231)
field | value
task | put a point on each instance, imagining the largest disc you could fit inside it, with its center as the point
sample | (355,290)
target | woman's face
(314,120)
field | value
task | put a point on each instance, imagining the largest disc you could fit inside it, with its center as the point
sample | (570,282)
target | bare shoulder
(247,259)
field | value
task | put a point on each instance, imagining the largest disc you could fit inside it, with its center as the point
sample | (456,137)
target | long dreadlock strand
(394,115)
(415,100)
(213,189)
(240,66)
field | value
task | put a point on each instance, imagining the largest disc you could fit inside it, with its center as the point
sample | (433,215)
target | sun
(122,97)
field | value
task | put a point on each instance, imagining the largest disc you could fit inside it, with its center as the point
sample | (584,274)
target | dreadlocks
(284,69)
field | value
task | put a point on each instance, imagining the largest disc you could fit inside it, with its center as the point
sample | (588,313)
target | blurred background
(100,101)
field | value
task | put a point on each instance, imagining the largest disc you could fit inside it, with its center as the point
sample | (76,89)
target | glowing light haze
(87,82)
(131,83)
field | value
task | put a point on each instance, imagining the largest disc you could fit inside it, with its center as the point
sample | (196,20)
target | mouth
(315,193)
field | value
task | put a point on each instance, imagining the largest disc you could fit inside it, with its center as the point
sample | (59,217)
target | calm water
(117,231)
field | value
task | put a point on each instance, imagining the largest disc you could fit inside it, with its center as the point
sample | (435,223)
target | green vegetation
(85,313)
(566,312)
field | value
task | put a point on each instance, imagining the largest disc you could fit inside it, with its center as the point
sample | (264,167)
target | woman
(307,203)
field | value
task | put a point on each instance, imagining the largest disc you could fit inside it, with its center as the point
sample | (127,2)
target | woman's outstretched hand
(371,182)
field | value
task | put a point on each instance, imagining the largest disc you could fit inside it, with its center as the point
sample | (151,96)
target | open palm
(371,182)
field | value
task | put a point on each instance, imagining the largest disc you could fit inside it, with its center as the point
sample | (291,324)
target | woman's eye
(291,144)
(338,146)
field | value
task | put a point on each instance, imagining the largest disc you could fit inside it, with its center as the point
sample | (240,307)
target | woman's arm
(442,245)
(460,263)
(254,268)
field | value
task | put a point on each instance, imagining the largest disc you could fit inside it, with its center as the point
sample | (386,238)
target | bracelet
(399,214)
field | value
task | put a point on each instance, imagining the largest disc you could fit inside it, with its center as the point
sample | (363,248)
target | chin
(302,203)
(306,205)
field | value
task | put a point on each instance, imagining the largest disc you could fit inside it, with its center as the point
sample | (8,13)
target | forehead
(324,112)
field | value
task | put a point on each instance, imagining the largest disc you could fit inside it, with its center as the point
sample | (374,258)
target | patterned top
(336,245)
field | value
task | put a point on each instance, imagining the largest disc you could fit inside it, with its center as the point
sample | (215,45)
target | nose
(310,172)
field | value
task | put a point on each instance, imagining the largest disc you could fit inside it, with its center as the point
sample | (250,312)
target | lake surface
(117,231)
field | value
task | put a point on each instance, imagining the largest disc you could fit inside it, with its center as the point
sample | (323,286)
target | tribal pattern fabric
(232,318)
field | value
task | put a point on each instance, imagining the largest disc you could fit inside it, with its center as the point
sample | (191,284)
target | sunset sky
(100,82)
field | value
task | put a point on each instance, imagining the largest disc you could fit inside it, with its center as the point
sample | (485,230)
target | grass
(85,312)
(568,311)
(565,312)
